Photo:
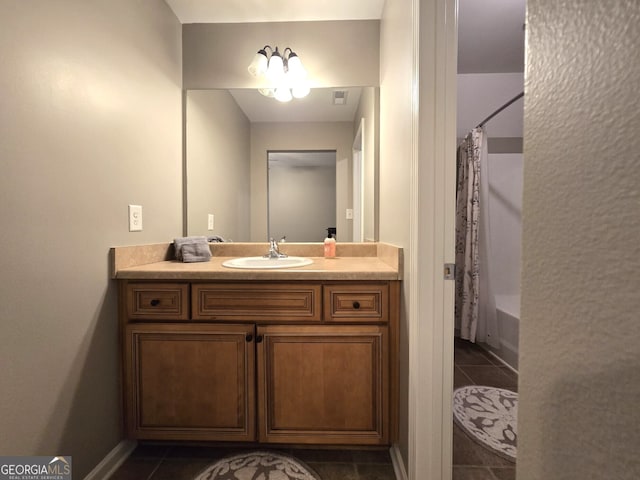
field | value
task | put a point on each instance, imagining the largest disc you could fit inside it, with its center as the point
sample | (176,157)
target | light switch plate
(349,214)
(210,219)
(135,218)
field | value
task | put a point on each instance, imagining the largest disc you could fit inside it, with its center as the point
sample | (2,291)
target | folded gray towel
(197,249)
(195,252)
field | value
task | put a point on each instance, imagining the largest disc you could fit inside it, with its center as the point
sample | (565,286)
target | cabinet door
(190,382)
(323,384)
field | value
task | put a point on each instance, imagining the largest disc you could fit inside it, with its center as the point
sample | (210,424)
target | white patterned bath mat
(489,415)
(258,466)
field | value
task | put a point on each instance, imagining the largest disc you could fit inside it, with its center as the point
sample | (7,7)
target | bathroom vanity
(305,355)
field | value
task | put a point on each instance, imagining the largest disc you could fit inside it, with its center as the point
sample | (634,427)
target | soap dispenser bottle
(329,246)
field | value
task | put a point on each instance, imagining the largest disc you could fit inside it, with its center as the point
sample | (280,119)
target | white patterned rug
(258,466)
(489,415)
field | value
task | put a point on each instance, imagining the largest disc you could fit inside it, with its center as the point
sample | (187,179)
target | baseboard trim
(488,349)
(398,464)
(112,461)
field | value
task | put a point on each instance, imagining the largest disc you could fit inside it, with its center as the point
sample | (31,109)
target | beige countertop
(344,268)
(358,262)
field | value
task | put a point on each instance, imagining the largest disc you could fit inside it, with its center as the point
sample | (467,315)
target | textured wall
(580,334)
(90,120)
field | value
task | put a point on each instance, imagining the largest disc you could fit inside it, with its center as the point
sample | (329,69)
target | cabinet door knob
(155,302)
(249,337)
(259,339)
(356,305)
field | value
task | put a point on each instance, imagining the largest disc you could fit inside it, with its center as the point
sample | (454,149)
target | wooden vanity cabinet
(323,385)
(190,382)
(273,362)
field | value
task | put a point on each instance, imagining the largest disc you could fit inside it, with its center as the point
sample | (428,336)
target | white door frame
(432,214)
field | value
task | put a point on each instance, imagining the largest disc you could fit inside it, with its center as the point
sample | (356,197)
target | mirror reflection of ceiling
(490,39)
(323,159)
(318,106)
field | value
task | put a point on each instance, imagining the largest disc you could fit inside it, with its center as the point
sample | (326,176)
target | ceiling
(306,159)
(318,106)
(238,11)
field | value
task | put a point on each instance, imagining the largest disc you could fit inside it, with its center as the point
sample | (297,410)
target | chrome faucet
(274,250)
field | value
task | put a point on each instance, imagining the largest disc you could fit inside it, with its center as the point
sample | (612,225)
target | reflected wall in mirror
(217,165)
(229,134)
(302,195)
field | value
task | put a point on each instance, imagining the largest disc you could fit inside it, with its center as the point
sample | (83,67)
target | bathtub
(508,317)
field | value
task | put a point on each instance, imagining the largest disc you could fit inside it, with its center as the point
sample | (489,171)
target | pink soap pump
(329,245)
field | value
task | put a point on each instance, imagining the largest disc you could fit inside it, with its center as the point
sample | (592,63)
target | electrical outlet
(349,213)
(210,219)
(135,218)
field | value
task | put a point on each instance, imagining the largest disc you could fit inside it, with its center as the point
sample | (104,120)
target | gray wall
(580,358)
(335,53)
(336,136)
(481,94)
(302,202)
(218,158)
(369,111)
(505,222)
(90,121)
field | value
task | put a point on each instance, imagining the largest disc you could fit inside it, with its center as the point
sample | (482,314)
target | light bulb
(296,70)
(267,92)
(275,70)
(259,64)
(301,90)
(283,94)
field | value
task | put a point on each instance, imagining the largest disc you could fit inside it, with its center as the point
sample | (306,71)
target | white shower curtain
(475,303)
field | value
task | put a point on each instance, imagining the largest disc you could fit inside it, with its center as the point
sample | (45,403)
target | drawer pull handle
(356,305)
(259,339)
(249,337)
(155,302)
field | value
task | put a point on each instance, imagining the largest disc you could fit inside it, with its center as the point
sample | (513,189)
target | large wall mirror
(234,137)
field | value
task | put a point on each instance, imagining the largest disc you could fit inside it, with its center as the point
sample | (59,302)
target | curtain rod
(482,123)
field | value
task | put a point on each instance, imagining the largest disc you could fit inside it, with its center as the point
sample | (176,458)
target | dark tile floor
(165,462)
(472,461)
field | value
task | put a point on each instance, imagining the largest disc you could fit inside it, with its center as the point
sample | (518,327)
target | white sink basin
(265,263)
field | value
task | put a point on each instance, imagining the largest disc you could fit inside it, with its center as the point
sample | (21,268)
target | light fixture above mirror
(283,72)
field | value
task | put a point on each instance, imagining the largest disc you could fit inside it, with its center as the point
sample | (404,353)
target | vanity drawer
(356,303)
(257,301)
(158,301)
